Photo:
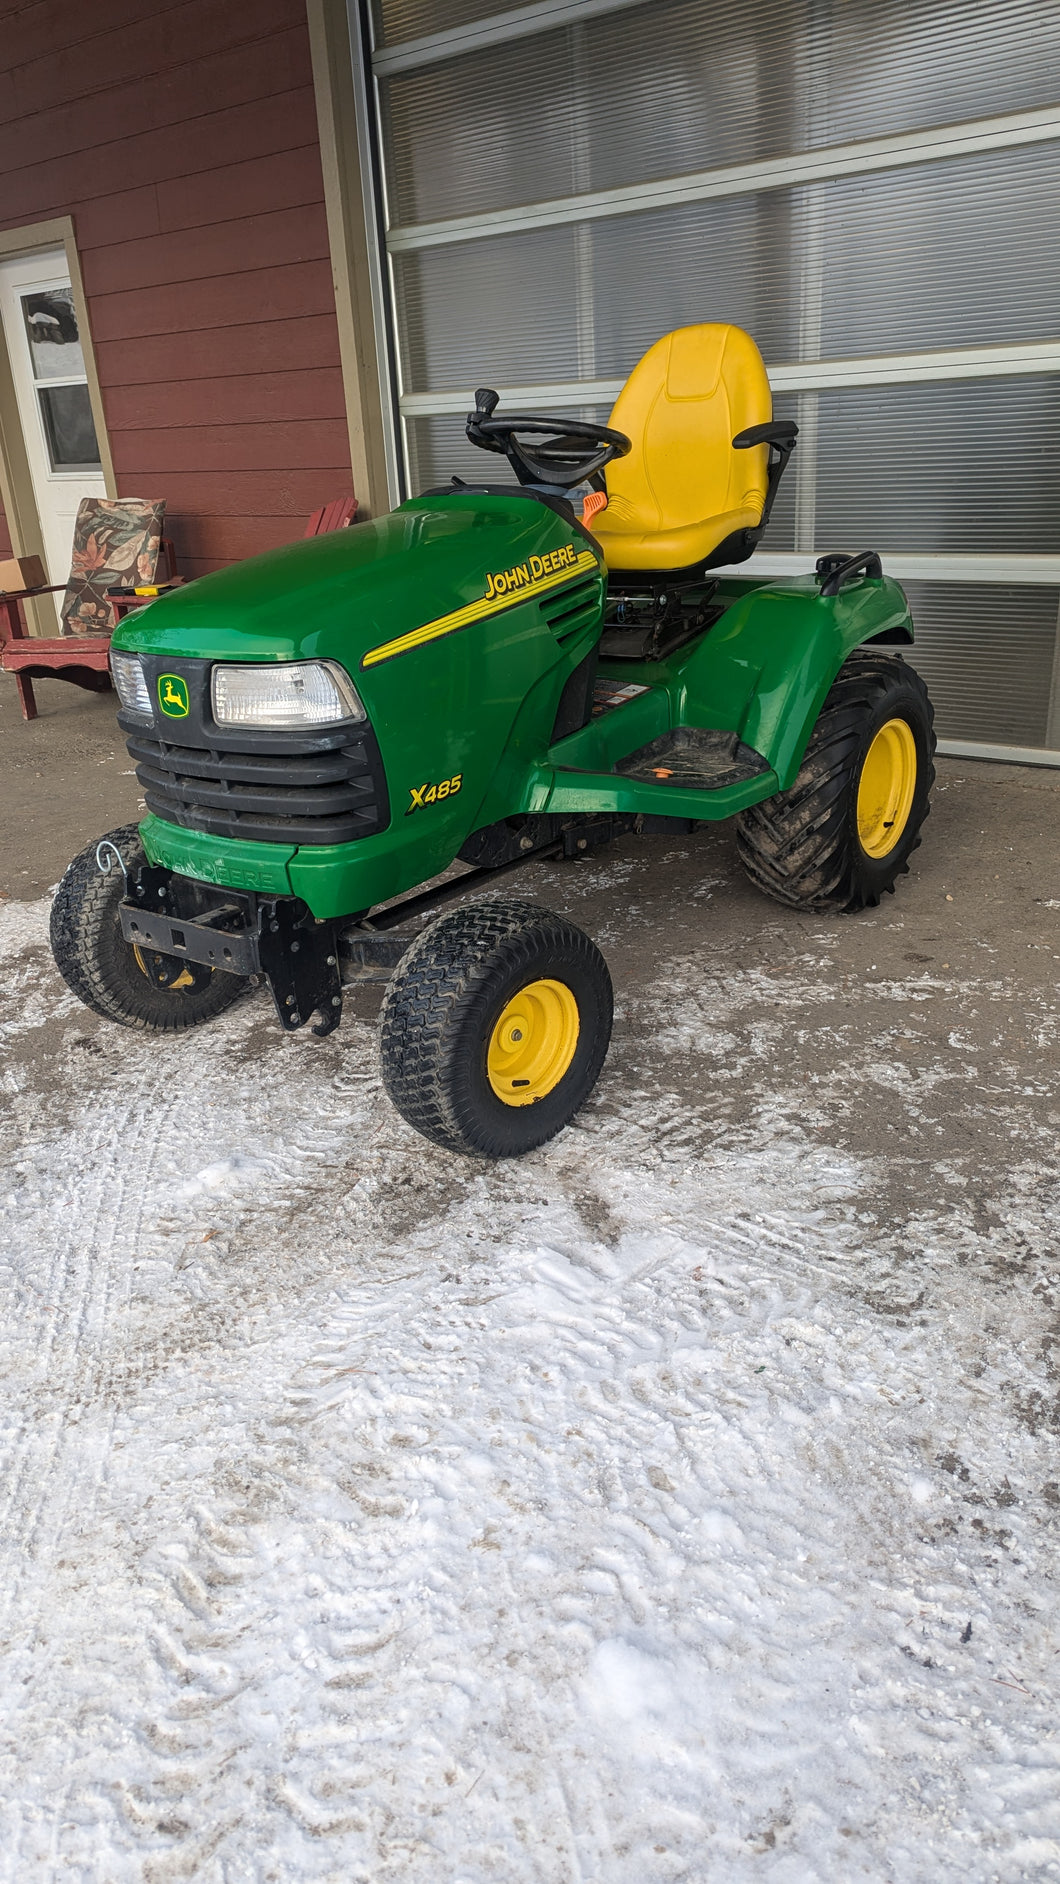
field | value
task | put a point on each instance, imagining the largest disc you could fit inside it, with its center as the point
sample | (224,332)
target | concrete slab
(66,778)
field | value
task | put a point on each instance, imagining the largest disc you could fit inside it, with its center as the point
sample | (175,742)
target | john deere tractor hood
(356,595)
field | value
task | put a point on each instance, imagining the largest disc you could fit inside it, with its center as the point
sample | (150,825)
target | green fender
(765,668)
(762,671)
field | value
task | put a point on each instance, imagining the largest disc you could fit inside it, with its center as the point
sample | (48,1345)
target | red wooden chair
(338,515)
(82,659)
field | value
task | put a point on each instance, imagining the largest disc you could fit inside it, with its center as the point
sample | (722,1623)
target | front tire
(843,834)
(495,1027)
(105,971)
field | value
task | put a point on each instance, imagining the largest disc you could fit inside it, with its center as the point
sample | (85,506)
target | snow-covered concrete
(664,1506)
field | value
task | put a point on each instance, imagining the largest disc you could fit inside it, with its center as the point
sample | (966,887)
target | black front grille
(324,787)
(300,798)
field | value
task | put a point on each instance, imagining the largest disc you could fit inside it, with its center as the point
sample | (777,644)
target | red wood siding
(183,141)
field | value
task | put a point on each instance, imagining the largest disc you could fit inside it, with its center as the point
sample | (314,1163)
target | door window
(60,382)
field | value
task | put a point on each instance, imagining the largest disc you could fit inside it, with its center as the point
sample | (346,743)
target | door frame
(16,482)
(352,209)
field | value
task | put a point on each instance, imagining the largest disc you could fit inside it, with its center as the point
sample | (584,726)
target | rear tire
(495,1027)
(101,968)
(843,834)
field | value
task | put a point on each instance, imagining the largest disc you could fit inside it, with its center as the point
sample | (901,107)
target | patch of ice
(23,925)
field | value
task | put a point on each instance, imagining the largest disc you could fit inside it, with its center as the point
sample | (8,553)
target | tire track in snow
(75,1315)
(597,1325)
(79,1368)
(204,1606)
(93,1271)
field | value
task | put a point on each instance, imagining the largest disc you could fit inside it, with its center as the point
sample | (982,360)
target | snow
(639,1511)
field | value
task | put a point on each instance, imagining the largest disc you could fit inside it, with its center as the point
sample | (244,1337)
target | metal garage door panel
(687,85)
(941,469)
(398,20)
(489,313)
(986,652)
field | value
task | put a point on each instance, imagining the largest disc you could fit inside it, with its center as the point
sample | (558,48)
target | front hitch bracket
(300,959)
(179,925)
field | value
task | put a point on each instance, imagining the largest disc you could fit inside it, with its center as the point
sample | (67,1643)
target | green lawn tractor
(495,674)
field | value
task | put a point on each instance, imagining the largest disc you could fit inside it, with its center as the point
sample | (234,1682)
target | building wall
(183,141)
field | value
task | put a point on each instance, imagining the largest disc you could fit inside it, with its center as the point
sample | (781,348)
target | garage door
(870,187)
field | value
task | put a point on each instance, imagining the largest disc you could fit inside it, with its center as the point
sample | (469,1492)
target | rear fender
(765,668)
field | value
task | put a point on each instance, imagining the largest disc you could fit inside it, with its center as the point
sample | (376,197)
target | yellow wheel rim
(886,788)
(533,1043)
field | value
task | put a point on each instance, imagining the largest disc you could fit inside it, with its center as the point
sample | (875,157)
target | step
(696,758)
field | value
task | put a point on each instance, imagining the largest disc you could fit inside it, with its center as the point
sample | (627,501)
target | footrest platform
(705,758)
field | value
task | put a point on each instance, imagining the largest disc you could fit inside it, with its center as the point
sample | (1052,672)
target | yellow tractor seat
(687,496)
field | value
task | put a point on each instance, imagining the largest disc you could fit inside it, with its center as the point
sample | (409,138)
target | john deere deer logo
(173,696)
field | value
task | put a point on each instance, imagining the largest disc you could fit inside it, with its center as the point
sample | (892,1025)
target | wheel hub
(886,788)
(168,971)
(533,1043)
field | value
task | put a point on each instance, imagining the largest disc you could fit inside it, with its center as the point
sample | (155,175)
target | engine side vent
(572,609)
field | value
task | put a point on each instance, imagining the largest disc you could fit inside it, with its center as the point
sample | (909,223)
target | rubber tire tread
(440,1008)
(801,846)
(105,977)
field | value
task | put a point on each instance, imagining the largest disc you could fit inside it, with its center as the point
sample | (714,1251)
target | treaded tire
(443,1003)
(97,963)
(802,847)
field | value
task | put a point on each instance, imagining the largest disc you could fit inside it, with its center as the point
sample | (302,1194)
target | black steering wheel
(571,450)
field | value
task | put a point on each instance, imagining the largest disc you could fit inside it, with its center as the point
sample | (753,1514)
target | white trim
(1024,356)
(906,369)
(1003,755)
(771,173)
(366,113)
(564,393)
(912,566)
(518,24)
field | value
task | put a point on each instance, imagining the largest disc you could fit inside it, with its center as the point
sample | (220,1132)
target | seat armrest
(10,626)
(779,432)
(780,436)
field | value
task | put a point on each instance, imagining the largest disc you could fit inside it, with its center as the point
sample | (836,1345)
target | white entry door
(47,363)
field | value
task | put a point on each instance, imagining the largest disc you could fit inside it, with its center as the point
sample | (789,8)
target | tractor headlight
(285,695)
(130,683)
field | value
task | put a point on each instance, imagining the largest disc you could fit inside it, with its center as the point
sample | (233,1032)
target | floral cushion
(116,544)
